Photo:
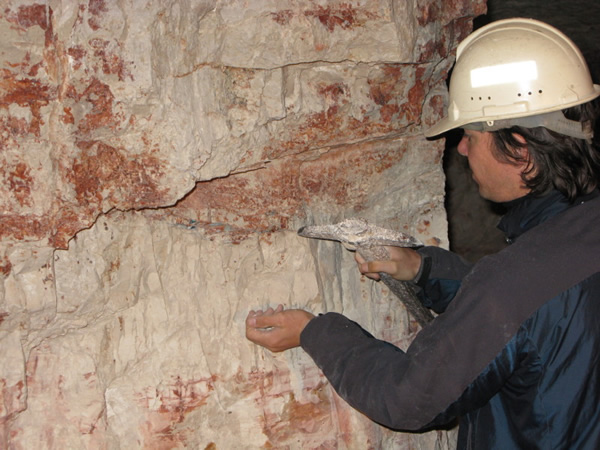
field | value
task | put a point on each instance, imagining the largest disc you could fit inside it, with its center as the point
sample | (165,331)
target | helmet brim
(446,124)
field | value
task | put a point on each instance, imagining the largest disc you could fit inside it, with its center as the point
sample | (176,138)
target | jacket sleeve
(391,387)
(440,277)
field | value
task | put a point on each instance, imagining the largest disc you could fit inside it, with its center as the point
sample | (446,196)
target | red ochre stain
(20,183)
(96,9)
(442,12)
(30,15)
(264,200)
(5,266)
(67,117)
(11,129)
(100,97)
(333,91)
(22,227)
(417,93)
(279,424)
(176,399)
(110,62)
(25,92)
(102,172)
(388,85)
(343,15)
(77,53)
(310,417)
(283,17)
(391,109)
(33,15)
(183,396)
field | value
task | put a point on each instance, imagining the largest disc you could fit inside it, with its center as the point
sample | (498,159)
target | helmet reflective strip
(504,73)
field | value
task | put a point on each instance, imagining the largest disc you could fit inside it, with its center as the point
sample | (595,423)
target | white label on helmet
(504,74)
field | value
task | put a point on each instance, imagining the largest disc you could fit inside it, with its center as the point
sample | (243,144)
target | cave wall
(156,160)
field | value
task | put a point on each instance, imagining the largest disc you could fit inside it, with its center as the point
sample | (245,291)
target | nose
(463,148)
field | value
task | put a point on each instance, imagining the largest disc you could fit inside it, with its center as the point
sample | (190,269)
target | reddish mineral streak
(5,265)
(99,95)
(127,181)
(183,396)
(334,91)
(311,417)
(77,53)
(441,12)
(31,15)
(111,63)
(96,9)
(416,94)
(392,110)
(25,92)
(307,417)
(344,15)
(264,200)
(130,183)
(177,399)
(283,17)
(20,182)
(389,85)
(21,227)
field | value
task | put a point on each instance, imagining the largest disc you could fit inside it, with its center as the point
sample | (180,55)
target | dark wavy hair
(570,165)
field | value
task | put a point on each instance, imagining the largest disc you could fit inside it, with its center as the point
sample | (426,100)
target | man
(515,351)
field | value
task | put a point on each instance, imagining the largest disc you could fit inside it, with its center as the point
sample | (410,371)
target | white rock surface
(156,159)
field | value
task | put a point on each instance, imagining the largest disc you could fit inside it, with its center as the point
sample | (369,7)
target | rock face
(156,160)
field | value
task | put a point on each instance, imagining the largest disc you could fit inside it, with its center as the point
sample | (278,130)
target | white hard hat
(517,68)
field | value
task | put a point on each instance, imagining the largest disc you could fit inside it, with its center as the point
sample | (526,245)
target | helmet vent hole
(519,94)
(529,93)
(540,91)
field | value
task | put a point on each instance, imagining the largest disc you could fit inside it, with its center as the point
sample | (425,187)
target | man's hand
(403,265)
(275,329)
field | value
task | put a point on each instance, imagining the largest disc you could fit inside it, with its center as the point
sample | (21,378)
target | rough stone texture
(156,158)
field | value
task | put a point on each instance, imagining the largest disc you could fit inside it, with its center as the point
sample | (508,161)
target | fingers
(263,319)
(403,264)
(366,271)
(276,329)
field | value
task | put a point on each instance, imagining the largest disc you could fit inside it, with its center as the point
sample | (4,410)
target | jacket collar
(529,211)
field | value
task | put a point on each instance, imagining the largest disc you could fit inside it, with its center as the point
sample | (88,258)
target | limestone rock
(156,159)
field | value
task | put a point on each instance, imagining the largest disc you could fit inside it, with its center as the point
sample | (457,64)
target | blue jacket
(514,354)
